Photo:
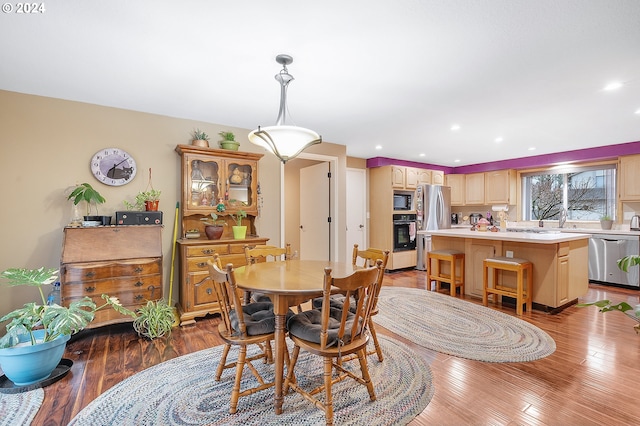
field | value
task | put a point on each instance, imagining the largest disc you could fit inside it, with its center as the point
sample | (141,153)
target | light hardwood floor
(593,378)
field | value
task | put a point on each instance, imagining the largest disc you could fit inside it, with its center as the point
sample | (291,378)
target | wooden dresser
(197,298)
(121,261)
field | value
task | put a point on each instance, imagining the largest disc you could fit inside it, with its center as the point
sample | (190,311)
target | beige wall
(45,148)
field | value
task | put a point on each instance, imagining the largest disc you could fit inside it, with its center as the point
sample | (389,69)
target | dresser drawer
(151,284)
(91,271)
(208,250)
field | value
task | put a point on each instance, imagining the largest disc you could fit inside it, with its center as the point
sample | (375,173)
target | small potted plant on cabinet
(239,230)
(606,222)
(213,228)
(229,141)
(85,192)
(200,138)
(37,334)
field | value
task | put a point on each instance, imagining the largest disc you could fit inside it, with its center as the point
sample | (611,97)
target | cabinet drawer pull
(89,289)
(138,284)
(209,291)
(90,274)
(152,288)
(201,264)
(138,269)
(208,251)
(138,297)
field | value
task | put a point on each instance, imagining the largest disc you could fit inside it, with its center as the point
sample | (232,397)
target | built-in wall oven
(404,232)
(604,252)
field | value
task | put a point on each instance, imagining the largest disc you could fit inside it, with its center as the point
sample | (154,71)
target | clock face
(113,166)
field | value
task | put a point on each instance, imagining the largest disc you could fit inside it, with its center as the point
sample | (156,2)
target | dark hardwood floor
(593,378)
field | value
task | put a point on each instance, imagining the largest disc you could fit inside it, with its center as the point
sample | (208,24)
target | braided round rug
(183,391)
(20,408)
(460,328)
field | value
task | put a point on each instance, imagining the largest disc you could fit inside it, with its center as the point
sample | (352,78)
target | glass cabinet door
(240,185)
(203,184)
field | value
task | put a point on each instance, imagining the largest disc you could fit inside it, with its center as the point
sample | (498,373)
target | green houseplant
(606,306)
(213,227)
(606,222)
(155,319)
(199,138)
(228,141)
(85,192)
(145,200)
(239,230)
(37,334)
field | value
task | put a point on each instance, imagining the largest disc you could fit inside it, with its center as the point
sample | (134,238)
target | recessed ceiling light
(456,161)
(532,148)
(498,140)
(638,111)
(614,85)
(378,147)
(422,154)
(455,127)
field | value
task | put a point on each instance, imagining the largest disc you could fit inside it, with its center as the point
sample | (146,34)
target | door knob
(361,226)
(301,227)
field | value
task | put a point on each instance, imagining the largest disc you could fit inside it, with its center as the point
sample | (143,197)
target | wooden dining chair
(332,333)
(264,253)
(366,258)
(251,324)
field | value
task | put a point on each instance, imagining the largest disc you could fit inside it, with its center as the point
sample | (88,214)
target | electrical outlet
(509,253)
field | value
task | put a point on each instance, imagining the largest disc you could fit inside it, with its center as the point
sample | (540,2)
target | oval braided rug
(183,391)
(460,328)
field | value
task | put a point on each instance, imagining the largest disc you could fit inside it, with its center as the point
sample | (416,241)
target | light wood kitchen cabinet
(397,177)
(457,185)
(409,177)
(476,251)
(197,297)
(437,177)
(211,177)
(500,187)
(474,189)
(121,261)
(629,180)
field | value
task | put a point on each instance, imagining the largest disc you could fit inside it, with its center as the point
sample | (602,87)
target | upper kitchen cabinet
(474,189)
(213,175)
(629,181)
(457,184)
(500,187)
(411,177)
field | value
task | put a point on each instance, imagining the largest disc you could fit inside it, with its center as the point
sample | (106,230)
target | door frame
(334,244)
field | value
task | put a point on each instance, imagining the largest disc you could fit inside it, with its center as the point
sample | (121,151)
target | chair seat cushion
(259,297)
(258,317)
(335,301)
(307,326)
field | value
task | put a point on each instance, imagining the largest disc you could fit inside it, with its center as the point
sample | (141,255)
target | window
(586,193)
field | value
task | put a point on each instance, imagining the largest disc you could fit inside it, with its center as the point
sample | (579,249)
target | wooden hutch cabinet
(121,261)
(209,177)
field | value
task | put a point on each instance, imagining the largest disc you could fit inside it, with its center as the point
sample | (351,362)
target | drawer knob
(201,264)
(209,291)
(138,297)
(138,269)
(90,274)
(89,289)
(208,251)
(138,284)
(152,289)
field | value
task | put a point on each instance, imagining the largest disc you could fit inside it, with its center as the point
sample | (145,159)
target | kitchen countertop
(550,237)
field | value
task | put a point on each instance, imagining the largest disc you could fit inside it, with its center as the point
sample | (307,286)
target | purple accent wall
(587,154)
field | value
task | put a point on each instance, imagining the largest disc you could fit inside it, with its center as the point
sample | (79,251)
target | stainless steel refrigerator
(433,211)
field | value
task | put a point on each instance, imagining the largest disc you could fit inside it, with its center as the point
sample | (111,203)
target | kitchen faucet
(563,218)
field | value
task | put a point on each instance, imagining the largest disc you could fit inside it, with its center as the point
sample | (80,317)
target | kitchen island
(560,261)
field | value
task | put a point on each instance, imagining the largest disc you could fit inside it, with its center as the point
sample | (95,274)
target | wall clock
(113,166)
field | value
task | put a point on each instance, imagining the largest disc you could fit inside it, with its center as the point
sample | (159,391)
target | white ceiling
(398,73)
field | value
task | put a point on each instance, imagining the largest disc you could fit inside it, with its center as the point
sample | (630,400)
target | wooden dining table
(288,283)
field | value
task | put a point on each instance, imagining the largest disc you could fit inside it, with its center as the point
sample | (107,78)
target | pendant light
(285,142)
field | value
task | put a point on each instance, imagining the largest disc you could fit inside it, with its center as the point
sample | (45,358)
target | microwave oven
(402,201)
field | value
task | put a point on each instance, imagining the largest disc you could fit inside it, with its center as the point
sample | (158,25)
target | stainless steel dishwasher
(604,252)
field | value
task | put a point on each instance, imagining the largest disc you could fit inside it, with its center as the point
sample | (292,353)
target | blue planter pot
(29,364)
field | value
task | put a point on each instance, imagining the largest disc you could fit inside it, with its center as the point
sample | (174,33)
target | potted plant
(624,307)
(85,192)
(145,200)
(200,138)
(606,222)
(37,334)
(229,141)
(154,320)
(239,230)
(213,227)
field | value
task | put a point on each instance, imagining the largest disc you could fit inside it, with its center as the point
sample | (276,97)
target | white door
(356,210)
(315,212)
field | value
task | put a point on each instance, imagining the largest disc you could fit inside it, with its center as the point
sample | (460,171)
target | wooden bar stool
(520,293)
(436,274)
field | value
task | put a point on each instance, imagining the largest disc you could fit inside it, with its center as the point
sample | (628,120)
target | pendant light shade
(285,142)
